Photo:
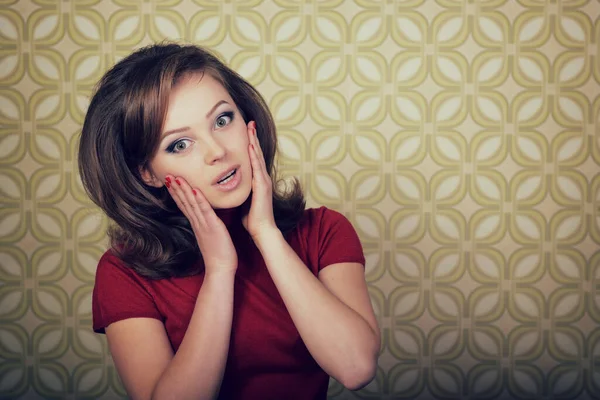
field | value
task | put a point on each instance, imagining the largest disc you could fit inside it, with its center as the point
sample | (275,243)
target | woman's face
(204,138)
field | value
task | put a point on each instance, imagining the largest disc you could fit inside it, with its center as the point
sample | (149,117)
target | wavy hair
(120,135)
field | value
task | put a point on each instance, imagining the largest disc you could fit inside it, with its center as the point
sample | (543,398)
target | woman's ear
(149,178)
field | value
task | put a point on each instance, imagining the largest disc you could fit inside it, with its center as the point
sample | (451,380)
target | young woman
(217,284)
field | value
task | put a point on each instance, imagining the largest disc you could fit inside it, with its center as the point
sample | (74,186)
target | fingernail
(168,184)
(194,191)
(178,181)
(168,179)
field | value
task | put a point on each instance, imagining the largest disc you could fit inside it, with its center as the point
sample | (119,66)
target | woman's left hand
(259,219)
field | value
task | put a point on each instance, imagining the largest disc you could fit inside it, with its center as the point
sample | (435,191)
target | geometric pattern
(460,137)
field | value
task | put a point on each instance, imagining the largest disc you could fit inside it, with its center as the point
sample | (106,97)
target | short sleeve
(119,293)
(338,240)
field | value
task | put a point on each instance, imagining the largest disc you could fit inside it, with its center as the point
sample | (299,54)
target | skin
(208,141)
(332,312)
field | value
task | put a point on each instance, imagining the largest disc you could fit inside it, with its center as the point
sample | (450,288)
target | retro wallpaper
(461,138)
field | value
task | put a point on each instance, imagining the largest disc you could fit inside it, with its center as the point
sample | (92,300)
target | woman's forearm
(196,370)
(339,339)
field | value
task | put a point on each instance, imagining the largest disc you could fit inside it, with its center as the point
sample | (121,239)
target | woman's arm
(140,347)
(333,313)
(144,358)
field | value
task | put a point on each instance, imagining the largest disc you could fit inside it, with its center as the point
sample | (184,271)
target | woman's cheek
(193,182)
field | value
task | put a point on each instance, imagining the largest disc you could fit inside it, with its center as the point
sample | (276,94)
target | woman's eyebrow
(173,131)
(212,110)
(185,128)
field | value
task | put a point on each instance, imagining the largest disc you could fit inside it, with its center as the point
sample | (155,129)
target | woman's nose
(214,151)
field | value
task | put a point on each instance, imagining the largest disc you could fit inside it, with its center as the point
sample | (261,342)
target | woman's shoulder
(110,260)
(111,266)
(322,212)
(321,218)
(120,293)
(327,237)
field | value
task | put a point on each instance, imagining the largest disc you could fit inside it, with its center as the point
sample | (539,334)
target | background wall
(462,138)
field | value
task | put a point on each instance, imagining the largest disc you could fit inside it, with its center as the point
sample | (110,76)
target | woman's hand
(260,218)
(213,238)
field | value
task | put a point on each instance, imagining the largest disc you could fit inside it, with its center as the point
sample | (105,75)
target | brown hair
(120,135)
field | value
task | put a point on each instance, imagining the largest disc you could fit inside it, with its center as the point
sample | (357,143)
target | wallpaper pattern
(462,139)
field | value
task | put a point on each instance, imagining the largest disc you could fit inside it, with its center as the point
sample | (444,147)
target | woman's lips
(232,183)
(224,174)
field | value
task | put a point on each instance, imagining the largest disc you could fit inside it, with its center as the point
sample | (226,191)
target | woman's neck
(230,216)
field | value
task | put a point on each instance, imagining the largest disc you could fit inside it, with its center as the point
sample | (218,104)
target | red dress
(267,358)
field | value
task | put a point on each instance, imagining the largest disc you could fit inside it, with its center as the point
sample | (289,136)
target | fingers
(259,172)
(257,159)
(190,201)
(254,141)
(184,198)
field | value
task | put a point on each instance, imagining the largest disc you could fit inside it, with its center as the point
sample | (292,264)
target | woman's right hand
(215,243)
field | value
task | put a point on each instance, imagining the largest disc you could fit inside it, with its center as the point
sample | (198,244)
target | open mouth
(227,178)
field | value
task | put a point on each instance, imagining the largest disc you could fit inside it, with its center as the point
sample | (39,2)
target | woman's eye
(223,119)
(179,146)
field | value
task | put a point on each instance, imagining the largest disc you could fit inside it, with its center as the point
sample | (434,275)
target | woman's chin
(231,200)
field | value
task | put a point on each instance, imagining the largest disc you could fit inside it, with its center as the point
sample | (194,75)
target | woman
(217,285)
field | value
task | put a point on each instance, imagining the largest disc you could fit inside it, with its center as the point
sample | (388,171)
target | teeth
(227,179)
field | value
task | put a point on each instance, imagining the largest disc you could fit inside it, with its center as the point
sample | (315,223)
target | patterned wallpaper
(462,139)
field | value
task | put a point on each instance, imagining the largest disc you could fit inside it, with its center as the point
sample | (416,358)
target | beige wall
(461,138)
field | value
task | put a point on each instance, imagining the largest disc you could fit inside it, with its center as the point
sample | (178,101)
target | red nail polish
(194,191)
(168,184)
(178,181)
(168,179)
